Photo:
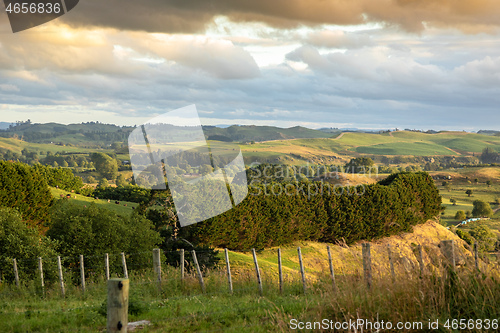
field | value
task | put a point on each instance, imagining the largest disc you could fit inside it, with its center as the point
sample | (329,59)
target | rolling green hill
(272,144)
(395,143)
(16,145)
(262,133)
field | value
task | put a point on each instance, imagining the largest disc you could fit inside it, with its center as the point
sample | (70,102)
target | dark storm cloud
(176,16)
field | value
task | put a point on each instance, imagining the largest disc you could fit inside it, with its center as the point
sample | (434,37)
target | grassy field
(18,145)
(463,180)
(123,209)
(353,144)
(321,150)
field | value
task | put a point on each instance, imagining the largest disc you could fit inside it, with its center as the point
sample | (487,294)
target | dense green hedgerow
(313,211)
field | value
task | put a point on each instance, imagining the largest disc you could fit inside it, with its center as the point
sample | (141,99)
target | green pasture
(480,191)
(82,201)
(17,145)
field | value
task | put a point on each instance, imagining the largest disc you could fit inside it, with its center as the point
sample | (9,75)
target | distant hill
(54,128)
(99,134)
(248,133)
(91,134)
(271,144)
(489,132)
(459,145)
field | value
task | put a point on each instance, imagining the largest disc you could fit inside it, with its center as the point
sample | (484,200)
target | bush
(464,235)
(18,241)
(24,188)
(460,215)
(94,231)
(103,183)
(486,239)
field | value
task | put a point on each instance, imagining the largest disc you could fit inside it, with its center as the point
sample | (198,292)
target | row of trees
(264,219)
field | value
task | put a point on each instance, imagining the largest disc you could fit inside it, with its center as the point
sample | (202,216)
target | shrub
(486,239)
(24,188)
(18,241)
(464,235)
(460,215)
(94,231)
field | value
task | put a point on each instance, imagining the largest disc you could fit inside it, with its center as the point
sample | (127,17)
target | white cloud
(483,73)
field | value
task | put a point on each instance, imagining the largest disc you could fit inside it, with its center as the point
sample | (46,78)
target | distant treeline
(264,219)
(102,134)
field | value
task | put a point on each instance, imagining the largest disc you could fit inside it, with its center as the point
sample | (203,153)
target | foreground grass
(180,306)
(410,299)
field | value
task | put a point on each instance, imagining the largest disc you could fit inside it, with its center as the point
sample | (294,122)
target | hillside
(86,133)
(349,144)
(294,145)
(347,260)
(241,133)
(16,146)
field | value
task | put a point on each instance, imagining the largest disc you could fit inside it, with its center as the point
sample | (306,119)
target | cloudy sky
(424,64)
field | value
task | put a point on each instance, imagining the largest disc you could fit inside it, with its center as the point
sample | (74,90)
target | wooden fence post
(476,256)
(367,263)
(332,274)
(200,277)
(82,273)
(449,251)
(61,280)
(182,264)
(124,264)
(106,265)
(259,281)
(420,260)
(280,269)
(302,272)
(229,280)
(157,265)
(391,263)
(16,273)
(40,269)
(117,311)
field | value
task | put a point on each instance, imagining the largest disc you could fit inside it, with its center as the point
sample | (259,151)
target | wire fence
(159,277)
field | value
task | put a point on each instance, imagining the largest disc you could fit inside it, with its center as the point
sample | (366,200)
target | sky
(377,64)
